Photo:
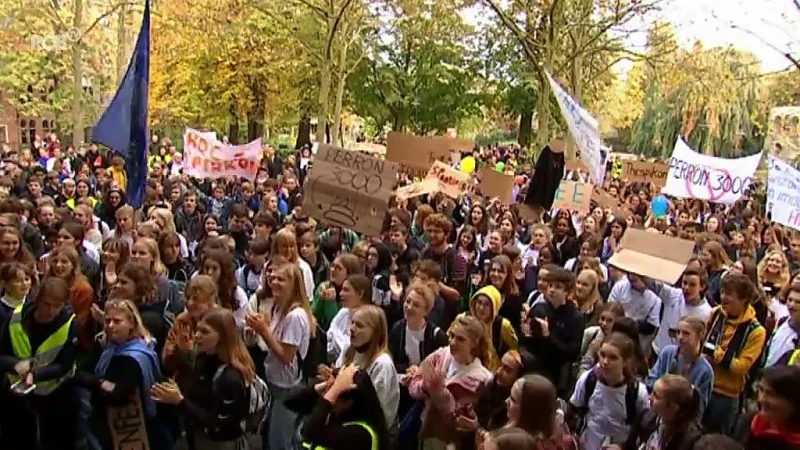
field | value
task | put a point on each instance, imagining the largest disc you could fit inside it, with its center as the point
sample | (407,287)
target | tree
(420,75)
(709,96)
(571,40)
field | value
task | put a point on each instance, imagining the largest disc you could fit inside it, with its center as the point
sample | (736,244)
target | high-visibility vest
(45,354)
(795,358)
(366,426)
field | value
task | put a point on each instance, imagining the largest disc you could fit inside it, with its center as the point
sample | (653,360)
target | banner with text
(643,171)
(573,196)
(205,157)
(584,129)
(783,193)
(349,189)
(720,180)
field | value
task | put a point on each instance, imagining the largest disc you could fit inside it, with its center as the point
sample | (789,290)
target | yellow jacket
(730,375)
(497,329)
(119,176)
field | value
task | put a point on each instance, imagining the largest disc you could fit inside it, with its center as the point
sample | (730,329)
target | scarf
(145,356)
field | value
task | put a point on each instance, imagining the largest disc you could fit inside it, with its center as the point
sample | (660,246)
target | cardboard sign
(349,189)
(652,255)
(452,182)
(496,184)
(648,172)
(575,164)
(206,157)
(127,425)
(606,200)
(573,196)
(423,187)
(417,153)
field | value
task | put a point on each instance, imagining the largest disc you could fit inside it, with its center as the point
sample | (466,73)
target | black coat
(546,179)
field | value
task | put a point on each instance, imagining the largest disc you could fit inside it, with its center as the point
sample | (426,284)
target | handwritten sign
(496,184)
(573,196)
(648,172)
(416,153)
(452,182)
(127,425)
(584,129)
(206,157)
(426,186)
(576,164)
(783,193)
(720,180)
(349,189)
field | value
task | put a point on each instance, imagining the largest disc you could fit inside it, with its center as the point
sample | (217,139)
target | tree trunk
(77,79)
(255,119)
(525,124)
(337,108)
(122,41)
(303,131)
(233,128)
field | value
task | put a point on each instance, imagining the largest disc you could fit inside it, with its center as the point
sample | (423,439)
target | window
(47,126)
(27,131)
(3,134)
(23,131)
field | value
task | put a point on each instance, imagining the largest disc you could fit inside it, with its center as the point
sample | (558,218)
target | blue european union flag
(123,125)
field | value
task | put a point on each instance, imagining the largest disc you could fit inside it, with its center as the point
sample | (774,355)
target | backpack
(631,394)
(258,406)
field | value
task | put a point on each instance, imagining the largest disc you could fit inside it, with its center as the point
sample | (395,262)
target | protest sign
(647,172)
(205,157)
(573,196)
(452,182)
(349,189)
(783,193)
(783,134)
(416,153)
(426,186)
(720,180)
(127,425)
(496,184)
(652,255)
(584,129)
(575,164)
(608,201)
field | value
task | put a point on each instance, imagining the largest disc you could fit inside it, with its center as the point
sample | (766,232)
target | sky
(764,27)
(753,25)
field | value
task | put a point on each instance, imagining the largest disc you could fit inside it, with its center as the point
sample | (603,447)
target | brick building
(19,131)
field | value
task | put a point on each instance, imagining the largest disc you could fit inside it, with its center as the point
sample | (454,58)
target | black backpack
(631,394)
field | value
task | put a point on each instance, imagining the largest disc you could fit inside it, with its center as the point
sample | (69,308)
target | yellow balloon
(468,164)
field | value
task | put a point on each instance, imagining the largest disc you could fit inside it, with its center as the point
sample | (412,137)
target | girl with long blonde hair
(225,372)
(287,333)
(369,350)
(201,295)
(448,381)
(284,243)
(127,364)
(773,272)
(587,295)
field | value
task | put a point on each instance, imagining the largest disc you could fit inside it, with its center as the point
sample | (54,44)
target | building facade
(19,131)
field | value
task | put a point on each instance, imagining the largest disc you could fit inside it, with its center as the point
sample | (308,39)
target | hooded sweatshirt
(499,330)
(735,352)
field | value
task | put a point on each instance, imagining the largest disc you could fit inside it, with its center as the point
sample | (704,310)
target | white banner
(583,128)
(204,157)
(720,180)
(783,193)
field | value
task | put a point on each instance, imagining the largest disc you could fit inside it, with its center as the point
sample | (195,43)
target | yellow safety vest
(45,354)
(795,358)
(366,426)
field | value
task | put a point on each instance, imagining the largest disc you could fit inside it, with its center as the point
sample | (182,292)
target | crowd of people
(219,310)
